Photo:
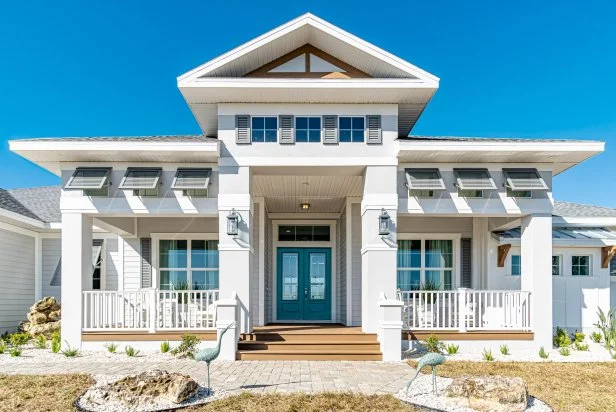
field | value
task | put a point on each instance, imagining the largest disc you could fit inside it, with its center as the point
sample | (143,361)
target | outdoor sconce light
(232,223)
(384,223)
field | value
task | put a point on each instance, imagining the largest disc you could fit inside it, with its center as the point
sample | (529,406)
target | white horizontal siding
(52,250)
(17,277)
(132,264)
(112,263)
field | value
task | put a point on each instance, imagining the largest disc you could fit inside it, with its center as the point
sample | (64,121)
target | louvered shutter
(287,131)
(242,129)
(374,129)
(330,129)
(467,263)
(146,262)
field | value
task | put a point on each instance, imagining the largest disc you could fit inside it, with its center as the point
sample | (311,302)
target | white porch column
(379,265)
(76,273)
(235,251)
(536,273)
(480,253)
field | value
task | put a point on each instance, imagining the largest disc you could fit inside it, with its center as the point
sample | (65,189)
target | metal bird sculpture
(209,354)
(432,360)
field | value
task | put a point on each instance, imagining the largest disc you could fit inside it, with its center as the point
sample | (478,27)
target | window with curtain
(425,264)
(188,264)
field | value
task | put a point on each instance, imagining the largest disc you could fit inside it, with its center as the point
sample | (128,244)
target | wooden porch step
(316,355)
(300,345)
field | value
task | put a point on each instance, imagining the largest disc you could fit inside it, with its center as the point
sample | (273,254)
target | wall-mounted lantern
(232,223)
(384,223)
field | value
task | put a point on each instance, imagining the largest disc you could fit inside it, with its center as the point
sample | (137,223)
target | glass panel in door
(317,276)
(290,276)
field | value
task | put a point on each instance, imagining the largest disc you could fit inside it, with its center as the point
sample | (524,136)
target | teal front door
(303,284)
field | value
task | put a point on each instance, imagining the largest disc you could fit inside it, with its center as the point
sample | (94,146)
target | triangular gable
(309,29)
(307,61)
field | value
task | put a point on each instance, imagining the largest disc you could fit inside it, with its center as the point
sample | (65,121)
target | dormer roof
(385,78)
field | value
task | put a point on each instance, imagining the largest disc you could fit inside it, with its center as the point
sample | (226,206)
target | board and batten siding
(356,263)
(112,263)
(254,267)
(17,276)
(342,275)
(52,251)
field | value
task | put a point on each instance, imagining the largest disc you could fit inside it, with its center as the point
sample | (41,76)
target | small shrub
(188,347)
(487,355)
(561,339)
(578,337)
(15,351)
(596,337)
(130,351)
(55,336)
(542,353)
(452,349)
(504,349)
(19,339)
(165,347)
(2,346)
(580,346)
(40,342)
(70,352)
(111,347)
(55,346)
(564,351)
(434,344)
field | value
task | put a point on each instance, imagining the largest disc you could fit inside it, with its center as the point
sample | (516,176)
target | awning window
(524,179)
(474,179)
(424,179)
(85,178)
(141,178)
(191,179)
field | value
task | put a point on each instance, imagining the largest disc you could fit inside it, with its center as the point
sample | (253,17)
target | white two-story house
(306,201)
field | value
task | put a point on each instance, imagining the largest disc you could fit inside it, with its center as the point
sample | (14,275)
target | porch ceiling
(326,194)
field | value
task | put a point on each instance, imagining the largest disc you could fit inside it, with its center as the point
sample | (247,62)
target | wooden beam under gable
(307,49)
(503,251)
(607,253)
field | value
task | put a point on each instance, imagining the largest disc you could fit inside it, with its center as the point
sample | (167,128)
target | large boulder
(147,386)
(489,393)
(43,318)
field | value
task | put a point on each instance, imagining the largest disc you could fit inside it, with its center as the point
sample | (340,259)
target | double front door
(304,284)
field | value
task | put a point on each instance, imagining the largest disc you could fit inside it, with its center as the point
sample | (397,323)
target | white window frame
(264,116)
(352,117)
(560,264)
(308,117)
(516,193)
(590,258)
(439,184)
(157,237)
(465,196)
(510,184)
(456,239)
(518,255)
(460,180)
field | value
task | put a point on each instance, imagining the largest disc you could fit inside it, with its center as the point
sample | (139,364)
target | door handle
(305,293)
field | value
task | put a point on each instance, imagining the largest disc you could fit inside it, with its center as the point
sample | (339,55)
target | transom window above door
(188,264)
(264,129)
(303,233)
(425,264)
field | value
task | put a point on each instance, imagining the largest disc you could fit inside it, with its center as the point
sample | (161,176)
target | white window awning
(524,179)
(85,178)
(141,178)
(191,179)
(424,179)
(474,179)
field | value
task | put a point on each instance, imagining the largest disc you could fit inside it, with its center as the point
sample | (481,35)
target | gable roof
(308,29)
(8,202)
(42,203)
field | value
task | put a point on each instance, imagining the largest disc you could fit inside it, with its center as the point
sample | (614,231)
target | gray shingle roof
(482,139)
(41,203)
(161,138)
(568,209)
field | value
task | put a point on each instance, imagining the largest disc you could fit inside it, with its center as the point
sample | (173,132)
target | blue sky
(539,69)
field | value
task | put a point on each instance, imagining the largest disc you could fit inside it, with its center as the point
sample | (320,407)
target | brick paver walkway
(254,376)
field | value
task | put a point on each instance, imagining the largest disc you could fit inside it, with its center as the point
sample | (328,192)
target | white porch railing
(149,310)
(466,309)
